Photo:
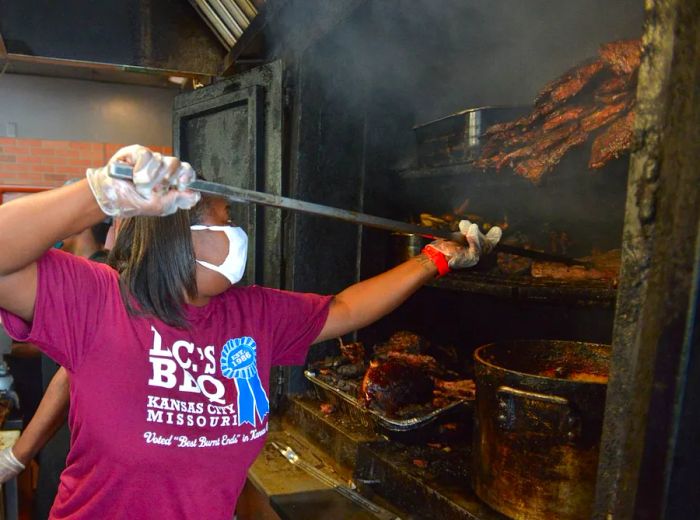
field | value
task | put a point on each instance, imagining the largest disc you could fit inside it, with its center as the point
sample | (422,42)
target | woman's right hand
(159,184)
(10,467)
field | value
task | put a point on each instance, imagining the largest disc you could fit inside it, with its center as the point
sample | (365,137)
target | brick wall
(42,162)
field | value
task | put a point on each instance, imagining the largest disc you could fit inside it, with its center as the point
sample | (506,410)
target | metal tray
(359,412)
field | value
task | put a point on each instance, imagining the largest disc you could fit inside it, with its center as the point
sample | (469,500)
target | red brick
(42,151)
(8,140)
(66,152)
(55,177)
(56,144)
(41,168)
(29,159)
(30,142)
(7,158)
(12,167)
(91,153)
(84,163)
(14,149)
(81,145)
(51,159)
(73,170)
(19,178)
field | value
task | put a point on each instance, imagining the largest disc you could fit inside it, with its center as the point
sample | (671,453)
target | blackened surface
(527,418)
(231,132)
(428,481)
(158,34)
(654,336)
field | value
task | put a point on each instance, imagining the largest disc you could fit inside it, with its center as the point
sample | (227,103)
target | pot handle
(546,414)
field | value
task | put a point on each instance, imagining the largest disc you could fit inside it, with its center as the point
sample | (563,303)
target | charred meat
(353,352)
(575,82)
(562,116)
(569,84)
(535,168)
(426,363)
(623,56)
(462,388)
(603,116)
(612,143)
(605,267)
(402,341)
(391,385)
(591,100)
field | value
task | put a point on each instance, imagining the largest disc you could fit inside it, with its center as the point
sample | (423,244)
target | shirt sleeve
(297,319)
(70,293)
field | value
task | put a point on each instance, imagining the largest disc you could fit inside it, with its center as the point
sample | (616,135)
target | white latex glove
(460,256)
(10,467)
(159,184)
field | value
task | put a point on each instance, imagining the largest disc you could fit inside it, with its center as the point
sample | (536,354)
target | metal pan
(366,416)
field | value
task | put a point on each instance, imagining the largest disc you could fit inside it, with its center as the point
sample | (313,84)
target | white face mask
(234,264)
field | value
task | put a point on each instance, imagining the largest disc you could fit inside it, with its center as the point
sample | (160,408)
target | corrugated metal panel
(226,18)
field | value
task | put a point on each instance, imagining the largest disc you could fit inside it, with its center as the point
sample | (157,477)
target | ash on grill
(407,376)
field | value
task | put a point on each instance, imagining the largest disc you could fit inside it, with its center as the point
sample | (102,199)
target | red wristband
(438,258)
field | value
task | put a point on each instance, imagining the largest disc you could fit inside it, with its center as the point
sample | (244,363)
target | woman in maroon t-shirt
(174,278)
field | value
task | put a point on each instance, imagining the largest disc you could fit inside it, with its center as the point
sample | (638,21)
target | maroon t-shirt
(164,422)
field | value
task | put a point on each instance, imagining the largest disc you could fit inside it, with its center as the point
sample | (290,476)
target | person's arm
(369,300)
(48,418)
(29,226)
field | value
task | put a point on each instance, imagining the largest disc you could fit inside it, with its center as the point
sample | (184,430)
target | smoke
(436,57)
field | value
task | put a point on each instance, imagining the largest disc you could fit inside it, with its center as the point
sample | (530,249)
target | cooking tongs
(125,172)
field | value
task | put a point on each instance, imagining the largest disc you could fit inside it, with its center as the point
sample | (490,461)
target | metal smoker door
(231,132)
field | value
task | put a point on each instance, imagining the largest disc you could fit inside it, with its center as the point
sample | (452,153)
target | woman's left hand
(467,254)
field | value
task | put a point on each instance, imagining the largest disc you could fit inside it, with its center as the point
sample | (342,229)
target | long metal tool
(125,172)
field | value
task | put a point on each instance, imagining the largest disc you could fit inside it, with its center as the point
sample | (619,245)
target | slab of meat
(614,141)
(404,341)
(561,116)
(391,385)
(460,389)
(355,370)
(512,264)
(570,83)
(554,137)
(353,352)
(536,167)
(614,84)
(606,266)
(500,128)
(622,56)
(427,363)
(581,77)
(506,159)
(603,116)
(584,99)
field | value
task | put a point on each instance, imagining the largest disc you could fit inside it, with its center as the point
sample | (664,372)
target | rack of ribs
(591,100)
(616,140)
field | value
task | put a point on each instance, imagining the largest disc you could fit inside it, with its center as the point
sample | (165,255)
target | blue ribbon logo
(238,362)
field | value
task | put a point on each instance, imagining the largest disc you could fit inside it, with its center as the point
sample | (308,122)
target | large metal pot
(538,421)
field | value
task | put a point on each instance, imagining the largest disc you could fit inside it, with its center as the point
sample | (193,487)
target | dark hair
(99,233)
(201,209)
(156,263)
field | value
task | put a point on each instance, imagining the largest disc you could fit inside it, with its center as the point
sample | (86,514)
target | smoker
(341,113)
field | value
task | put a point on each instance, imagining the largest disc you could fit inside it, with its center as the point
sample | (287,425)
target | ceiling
(142,42)
(227,18)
